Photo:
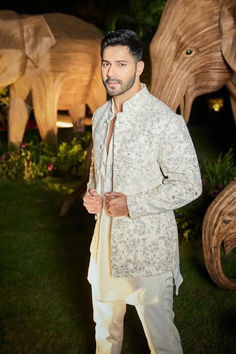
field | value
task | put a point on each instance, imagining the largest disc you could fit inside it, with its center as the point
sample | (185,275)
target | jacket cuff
(134,206)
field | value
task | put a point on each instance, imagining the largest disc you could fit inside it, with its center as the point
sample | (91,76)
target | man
(143,167)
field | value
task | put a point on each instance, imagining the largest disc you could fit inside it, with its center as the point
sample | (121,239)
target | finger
(113,194)
(88,200)
(91,203)
(109,199)
(108,206)
(107,202)
(109,212)
(93,192)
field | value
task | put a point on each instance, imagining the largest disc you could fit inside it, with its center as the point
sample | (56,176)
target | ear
(228,30)
(38,38)
(140,67)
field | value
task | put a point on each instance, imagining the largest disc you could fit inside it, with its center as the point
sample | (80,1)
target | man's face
(119,69)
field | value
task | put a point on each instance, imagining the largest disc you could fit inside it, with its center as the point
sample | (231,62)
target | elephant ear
(228,30)
(38,38)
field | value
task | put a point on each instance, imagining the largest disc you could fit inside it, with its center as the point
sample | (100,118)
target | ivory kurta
(155,165)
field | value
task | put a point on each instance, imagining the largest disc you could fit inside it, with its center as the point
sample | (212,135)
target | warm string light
(64,125)
(65,121)
(216,104)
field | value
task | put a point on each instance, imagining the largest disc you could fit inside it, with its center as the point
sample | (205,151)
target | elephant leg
(46,92)
(78,115)
(18,117)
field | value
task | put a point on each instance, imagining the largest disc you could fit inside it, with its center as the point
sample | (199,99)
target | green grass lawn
(45,305)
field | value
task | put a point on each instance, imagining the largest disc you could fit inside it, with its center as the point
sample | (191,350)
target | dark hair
(124,37)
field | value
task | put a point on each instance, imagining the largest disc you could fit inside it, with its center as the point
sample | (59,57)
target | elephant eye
(189,52)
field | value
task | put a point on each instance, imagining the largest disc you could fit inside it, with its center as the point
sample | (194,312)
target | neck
(119,100)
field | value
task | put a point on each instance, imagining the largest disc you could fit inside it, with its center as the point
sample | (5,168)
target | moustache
(113,80)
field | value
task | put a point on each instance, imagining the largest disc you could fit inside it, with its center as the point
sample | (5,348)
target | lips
(112,82)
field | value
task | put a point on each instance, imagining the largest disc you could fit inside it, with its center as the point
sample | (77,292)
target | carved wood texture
(219,229)
(193,52)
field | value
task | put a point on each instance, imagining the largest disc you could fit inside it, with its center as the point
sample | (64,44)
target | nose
(111,71)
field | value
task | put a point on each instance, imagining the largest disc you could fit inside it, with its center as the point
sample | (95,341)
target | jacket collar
(134,102)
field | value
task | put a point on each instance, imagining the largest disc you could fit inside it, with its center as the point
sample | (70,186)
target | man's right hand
(92,201)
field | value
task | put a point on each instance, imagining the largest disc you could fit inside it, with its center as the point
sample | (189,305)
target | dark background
(98,12)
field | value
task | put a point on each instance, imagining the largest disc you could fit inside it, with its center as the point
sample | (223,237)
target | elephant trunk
(178,82)
(168,83)
(12,55)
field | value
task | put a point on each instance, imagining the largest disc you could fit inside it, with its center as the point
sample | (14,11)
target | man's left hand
(116,204)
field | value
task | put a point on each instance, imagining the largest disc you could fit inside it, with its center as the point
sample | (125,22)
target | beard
(122,87)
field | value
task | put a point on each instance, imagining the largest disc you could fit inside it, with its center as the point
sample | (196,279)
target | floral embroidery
(156,166)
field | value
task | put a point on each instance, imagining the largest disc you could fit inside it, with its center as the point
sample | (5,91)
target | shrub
(34,160)
(215,176)
(71,159)
(4,105)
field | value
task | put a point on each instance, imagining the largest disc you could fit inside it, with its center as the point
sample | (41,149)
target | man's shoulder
(156,104)
(100,111)
(156,110)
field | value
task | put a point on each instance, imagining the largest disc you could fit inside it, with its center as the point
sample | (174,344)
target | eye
(105,64)
(189,52)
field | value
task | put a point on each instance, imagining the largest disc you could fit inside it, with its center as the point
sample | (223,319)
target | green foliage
(4,104)
(144,17)
(71,159)
(33,161)
(215,176)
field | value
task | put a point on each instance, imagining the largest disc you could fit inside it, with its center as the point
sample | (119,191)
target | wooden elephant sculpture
(51,62)
(193,52)
(219,228)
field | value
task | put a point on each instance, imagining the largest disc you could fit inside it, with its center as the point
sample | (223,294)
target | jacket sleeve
(181,175)
(91,182)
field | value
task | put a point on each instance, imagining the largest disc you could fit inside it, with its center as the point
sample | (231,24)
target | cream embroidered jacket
(155,165)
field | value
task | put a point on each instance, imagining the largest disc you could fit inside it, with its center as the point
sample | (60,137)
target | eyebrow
(117,61)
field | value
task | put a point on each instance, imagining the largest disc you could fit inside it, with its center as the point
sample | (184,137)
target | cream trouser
(157,321)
